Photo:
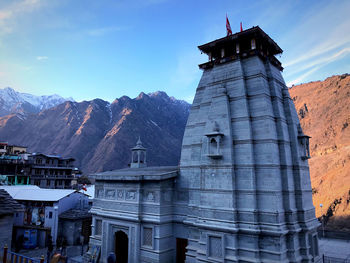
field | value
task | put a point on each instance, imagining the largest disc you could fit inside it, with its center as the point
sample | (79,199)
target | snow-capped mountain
(12,101)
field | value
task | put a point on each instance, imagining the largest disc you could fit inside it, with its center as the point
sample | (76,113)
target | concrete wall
(6,223)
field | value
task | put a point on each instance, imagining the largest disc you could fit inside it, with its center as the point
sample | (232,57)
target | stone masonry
(242,192)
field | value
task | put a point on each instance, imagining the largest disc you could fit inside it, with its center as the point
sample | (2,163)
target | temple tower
(244,191)
(138,155)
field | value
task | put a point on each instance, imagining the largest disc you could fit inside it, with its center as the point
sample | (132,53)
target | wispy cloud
(97,32)
(186,70)
(317,64)
(42,58)
(186,74)
(10,13)
(303,76)
(322,60)
(325,38)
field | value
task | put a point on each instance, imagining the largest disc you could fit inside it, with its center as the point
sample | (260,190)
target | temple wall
(261,186)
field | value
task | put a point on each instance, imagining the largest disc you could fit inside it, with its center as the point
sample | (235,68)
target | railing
(12,257)
(327,259)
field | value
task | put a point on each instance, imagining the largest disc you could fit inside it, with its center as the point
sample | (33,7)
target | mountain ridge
(14,102)
(324,112)
(100,134)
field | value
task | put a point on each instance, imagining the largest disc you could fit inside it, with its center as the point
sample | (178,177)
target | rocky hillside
(100,134)
(324,112)
(22,104)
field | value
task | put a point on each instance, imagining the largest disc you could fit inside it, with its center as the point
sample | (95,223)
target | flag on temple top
(84,187)
(228,27)
(241,27)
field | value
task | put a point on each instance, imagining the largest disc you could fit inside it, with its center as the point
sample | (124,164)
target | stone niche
(214,139)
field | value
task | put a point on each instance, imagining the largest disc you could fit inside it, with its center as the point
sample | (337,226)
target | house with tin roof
(42,208)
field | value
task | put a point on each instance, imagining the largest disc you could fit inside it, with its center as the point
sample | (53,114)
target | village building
(42,209)
(53,171)
(8,208)
(18,167)
(242,191)
(14,164)
(7,149)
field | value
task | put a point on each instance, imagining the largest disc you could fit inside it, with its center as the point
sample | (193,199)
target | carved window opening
(253,45)
(98,228)
(213,147)
(142,157)
(214,141)
(305,142)
(147,237)
(215,247)
(134,157)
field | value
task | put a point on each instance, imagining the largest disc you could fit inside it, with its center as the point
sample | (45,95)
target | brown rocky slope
(100,134)
(324,113)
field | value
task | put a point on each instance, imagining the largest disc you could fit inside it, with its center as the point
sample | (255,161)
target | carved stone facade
(242,192)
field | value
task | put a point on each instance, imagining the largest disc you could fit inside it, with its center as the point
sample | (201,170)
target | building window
(222,53)
(98,228)
(253,43)
(147,237)
(47,182)
(50,215)
(215,247)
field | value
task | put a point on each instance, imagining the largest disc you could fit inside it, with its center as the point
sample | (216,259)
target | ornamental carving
(110,194)
(100,193)
(130,195)
(149,196)
(120,194)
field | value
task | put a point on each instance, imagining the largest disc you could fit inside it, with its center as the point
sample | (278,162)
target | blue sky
(89,49)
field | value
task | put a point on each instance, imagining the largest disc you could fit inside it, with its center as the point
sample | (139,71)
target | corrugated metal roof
(8,205)
(36,194)
(90,191)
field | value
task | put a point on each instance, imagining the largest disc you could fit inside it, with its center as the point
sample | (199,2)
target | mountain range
(324,113)
(99,134)
(13,102)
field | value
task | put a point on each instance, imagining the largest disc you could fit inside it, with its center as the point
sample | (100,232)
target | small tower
(138,155)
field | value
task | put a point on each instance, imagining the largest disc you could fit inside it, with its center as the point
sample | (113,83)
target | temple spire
(138,155)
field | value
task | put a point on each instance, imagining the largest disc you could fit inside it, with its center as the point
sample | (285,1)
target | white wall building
(42,209)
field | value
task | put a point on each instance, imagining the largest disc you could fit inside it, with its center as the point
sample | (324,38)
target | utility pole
(322,218)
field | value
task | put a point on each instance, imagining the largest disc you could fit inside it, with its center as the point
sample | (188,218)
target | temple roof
(139,174)
(139,145)
(255,32)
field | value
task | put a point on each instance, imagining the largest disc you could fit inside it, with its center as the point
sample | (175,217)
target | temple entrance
(121,247)
(181,245)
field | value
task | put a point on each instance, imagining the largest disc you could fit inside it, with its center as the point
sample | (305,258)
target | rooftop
(255,32)
(8,205)
(90,191)
(75,214)
(139,174)
(52,156)
(34,193)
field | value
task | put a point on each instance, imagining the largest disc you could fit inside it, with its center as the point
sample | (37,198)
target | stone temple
(242,191)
